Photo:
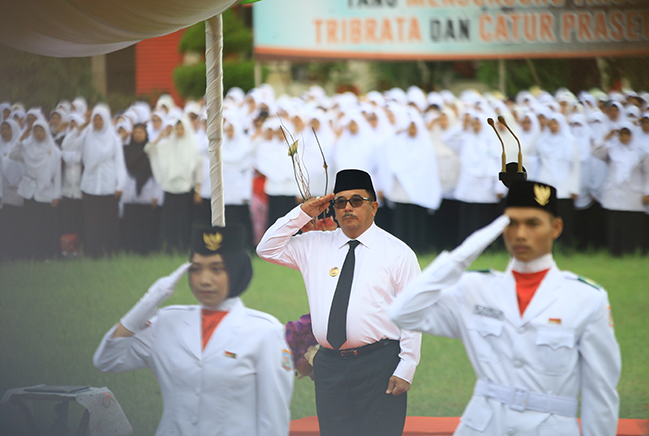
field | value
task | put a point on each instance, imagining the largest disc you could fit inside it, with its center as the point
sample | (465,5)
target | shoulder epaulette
(590,282)
(179,307)
(262,315)
(482,271)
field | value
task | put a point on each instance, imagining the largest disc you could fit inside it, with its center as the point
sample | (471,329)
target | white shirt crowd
(421,149)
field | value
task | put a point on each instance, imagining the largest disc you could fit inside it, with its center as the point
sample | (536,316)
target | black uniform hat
(229,243)
(533,194)
(354,179)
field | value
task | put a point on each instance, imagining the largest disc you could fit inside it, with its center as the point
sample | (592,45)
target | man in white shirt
(538,338)
(365,363)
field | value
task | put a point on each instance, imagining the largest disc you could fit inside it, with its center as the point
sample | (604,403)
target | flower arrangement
(299,337)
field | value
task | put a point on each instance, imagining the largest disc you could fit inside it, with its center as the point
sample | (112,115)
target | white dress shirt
(104,170)
(71,154)
(12,173)
(384,266)
(41,180)
(150,191)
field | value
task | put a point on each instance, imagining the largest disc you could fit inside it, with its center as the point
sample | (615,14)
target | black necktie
(337,327)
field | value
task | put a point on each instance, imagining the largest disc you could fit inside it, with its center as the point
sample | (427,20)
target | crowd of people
(138,179)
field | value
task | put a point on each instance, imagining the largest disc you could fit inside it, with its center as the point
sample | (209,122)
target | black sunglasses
(355,201)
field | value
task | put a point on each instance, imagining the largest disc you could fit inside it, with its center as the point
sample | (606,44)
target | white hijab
(625,157)
(41,157)
(556,146)
(480,151)
(355,150)
(237,148)
(597,121)
(12,171)
(176,156)
(99,145)
(583,135)
(412,161)
(272,158)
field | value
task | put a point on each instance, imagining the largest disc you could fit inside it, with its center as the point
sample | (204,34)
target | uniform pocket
(477,414)
(485,337)
(555,347)
(567,429)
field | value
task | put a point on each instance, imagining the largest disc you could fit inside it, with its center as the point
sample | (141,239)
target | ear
(375,207)
(557,227)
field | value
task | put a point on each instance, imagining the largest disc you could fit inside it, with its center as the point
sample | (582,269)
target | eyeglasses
(355,201)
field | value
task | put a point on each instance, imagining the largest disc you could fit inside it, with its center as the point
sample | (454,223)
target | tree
(43,81)
(238,67)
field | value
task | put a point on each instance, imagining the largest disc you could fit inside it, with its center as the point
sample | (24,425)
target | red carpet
(431,426)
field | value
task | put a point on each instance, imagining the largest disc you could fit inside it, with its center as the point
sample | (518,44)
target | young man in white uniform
(223,369)
(538,338)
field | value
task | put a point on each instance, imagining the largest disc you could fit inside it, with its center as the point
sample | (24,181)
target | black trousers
(41,238)
(202,213)
(443,225)
(175,222)
(350,394)
(625,231)
(12,232)
(474,216)
(410,225)
(100,225)
(240,213)
(278,206)
(71,211)
(140,228)
(590,227)
(566,208)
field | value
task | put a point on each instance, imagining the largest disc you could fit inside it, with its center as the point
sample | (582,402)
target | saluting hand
(397,386)
(314,206)
(136,319)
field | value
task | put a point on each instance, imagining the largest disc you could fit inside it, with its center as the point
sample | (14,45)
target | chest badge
(230,354)
(556,321)
(333,272)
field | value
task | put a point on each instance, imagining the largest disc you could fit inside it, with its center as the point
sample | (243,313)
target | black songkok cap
(229,243)
(354,179)
(533,194)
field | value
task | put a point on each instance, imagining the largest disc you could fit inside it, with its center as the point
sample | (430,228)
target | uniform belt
(520,399)
(350,353)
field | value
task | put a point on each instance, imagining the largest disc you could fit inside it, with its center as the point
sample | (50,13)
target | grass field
(53,315)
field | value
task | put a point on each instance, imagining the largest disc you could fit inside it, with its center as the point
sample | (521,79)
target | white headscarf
(80,105)
(412,161)
(99,145)
(480,151)
(356,150)
(12,171)
(151,131)
(625,157)
(40,158)
(529,138)
(272,158)
(583,135)
(556,146)
(598,123)
(176,157)
(3,106)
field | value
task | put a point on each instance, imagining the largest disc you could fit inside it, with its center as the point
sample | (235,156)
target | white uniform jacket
(240,384)
(563,345)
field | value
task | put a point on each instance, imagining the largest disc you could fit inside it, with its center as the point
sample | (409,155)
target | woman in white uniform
(40,187)
(223,369)
(11,209)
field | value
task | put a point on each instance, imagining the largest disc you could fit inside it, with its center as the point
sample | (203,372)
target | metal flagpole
(214,102)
